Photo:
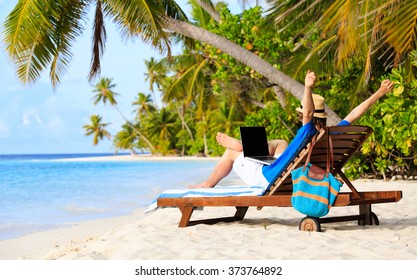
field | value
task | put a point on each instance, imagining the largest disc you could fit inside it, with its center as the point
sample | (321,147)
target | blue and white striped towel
(217,191)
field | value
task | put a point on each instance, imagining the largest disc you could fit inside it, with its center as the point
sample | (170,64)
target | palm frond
(66,21)
(318,52)
(195,81)
(144,18)
(400,27)
(39,34)
(178,85)
(99,41)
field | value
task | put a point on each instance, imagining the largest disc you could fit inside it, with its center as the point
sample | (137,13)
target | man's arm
(307,102)
(361,109)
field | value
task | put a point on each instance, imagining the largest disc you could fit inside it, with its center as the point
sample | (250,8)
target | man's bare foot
(228,142)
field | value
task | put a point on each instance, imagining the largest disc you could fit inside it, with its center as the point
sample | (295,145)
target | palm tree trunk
(246,57)
(205,144)
(134,128)
(279,92)
(185,124)
(205,140)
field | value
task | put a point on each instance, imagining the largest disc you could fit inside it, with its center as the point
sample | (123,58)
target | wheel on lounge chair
(310,224)
(375,220)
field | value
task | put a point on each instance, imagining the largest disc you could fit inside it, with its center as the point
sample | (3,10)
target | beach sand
(271,233)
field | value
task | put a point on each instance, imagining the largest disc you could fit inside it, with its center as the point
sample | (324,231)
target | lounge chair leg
(240,213)
(367,217)
(186,215)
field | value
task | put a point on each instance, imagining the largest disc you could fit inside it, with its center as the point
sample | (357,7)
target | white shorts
(250,172)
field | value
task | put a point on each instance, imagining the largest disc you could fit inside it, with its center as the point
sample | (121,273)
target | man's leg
(233,150)
(221,170)
(224,166)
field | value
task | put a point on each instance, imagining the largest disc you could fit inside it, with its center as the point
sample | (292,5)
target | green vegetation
(249,74)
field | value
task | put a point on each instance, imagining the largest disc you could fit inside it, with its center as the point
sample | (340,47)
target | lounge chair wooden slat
(346,141)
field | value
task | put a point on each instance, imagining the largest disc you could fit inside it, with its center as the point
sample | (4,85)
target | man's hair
(320,122)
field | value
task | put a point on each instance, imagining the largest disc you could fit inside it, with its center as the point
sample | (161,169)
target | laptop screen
(254,141)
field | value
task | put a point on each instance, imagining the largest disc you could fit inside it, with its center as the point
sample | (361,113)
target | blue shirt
(301,139)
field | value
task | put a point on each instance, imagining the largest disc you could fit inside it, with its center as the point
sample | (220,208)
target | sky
(38,119)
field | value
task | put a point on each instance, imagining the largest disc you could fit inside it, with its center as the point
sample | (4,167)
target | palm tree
(144,105)
(104,89)
(225,118)
(174,92)
(156,74)
(246,57)
(126,138)
(162,128)
(40,33)
(97,129)
(186,85)
(202,129)
(161,125)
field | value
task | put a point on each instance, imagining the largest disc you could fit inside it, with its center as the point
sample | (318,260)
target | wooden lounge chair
(346,141)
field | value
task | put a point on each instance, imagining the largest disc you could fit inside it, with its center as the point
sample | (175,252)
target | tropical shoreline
(141,157)
(271,233)
(47,191)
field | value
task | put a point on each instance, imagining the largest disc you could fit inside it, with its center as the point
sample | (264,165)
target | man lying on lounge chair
(313,117)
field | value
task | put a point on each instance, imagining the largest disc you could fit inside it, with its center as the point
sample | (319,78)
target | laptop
(255,144)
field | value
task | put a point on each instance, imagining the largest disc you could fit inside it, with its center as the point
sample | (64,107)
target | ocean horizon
(42,191)
(52,156)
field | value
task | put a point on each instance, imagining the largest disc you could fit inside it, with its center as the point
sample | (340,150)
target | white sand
(271,233)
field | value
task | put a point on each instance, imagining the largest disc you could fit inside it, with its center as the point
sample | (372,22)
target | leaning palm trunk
(244,56)
(216,16)
(205,140)
(205,144)
(279,92)
(184,123)
(136,130)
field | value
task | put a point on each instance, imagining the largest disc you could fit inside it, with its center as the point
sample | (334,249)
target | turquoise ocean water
(39,192)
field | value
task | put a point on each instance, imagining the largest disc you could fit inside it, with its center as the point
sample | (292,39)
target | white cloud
(25,120)
(31,117)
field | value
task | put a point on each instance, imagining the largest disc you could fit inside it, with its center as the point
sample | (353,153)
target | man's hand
(386,86)
(310,79)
